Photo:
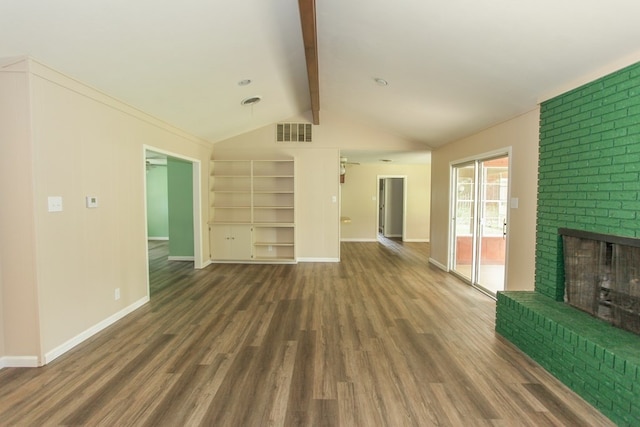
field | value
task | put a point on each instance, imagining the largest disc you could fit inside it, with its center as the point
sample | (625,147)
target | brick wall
(589,168)
(599,362)
(588,179)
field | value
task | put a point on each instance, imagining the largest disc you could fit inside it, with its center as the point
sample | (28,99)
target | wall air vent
(293,132)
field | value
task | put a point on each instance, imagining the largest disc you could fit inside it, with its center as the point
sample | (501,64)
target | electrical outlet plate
(54,203)
(92,202)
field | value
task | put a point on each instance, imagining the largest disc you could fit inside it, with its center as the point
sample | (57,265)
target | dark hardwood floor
(380,339)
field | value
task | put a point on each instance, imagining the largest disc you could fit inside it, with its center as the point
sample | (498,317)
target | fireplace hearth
(602,276)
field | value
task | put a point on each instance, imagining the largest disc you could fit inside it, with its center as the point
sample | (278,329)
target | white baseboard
(416,240)
(157,238)
(318,259)
(19,362)
(356,239)
(181,258)
(437,264)
(61,349)
(206,263)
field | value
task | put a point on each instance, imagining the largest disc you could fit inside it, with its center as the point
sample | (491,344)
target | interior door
(479,222)
(381,206)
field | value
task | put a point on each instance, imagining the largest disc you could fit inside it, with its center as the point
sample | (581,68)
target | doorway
(172,215)
(479,195)
(391,206)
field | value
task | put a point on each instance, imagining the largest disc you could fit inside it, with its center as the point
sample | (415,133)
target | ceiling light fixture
(244,82)
(381,82)
(252,100)
(386,160)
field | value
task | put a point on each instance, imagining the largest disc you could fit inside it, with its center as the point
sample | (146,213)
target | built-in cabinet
(252,211)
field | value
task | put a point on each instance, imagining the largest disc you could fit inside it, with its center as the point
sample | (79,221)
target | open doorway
(172,209)
(391,206)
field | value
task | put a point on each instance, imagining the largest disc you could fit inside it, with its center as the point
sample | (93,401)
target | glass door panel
(479,193)
(491,247)
(464,221)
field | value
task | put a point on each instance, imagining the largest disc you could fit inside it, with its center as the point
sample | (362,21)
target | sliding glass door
(479,222)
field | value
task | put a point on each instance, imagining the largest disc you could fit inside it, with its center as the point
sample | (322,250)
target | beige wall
(317,168)
(2,349)
(20,319)
(521,134)
(358,203)
(84,144)
(317,191)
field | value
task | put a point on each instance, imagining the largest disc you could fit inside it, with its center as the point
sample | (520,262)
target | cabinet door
(240,242)
(230,242)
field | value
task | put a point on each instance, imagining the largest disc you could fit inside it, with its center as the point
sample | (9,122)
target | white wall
(521,134)
(360,200)
(317,192)
(84,143)
(318,228)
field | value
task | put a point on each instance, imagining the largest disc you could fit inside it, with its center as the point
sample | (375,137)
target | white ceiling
(454,67)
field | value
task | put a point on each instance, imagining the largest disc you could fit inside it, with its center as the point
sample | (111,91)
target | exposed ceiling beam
(310,39)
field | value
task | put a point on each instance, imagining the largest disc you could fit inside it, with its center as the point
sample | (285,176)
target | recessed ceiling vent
(293,132)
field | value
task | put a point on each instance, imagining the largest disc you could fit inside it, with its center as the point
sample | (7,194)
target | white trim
(318,259)
(438,264)
(157,238)
(357,239)
(180,258)
(19,362)
(206,264)
(416,240)
(198,262)
(506,152)
(405,192)
(61,349)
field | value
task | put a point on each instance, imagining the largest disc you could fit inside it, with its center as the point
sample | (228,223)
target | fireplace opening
(602,276)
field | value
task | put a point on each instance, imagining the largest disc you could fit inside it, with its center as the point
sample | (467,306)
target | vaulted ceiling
(453,67)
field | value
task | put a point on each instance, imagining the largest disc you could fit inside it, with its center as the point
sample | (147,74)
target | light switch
(92,202)
(334,199)
(54,203)
(514,203)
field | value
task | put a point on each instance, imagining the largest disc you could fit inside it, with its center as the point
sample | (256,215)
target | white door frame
(197,203)
(507,151)
(404,202)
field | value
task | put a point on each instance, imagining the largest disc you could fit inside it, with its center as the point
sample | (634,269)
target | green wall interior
(157,207)
(180,201)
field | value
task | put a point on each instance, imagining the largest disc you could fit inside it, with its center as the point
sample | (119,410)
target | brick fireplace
(602,276)
(588,180)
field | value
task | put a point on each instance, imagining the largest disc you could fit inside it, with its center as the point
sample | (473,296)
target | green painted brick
(625,177)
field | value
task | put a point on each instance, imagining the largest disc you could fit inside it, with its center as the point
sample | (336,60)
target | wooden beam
(310,39)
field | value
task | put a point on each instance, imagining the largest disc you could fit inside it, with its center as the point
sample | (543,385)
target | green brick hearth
(588,179)
(596,360)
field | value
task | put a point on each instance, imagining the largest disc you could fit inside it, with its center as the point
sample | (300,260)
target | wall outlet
(54,203)
(92,201)
(117,294)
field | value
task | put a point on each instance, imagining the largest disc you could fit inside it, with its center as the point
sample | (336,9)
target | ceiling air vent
(293,132)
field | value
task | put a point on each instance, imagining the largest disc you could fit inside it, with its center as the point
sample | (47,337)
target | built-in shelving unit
(253,210)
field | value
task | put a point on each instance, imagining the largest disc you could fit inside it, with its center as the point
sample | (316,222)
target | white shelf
(259,193)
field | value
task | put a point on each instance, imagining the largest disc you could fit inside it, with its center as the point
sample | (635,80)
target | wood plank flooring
(380,339)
